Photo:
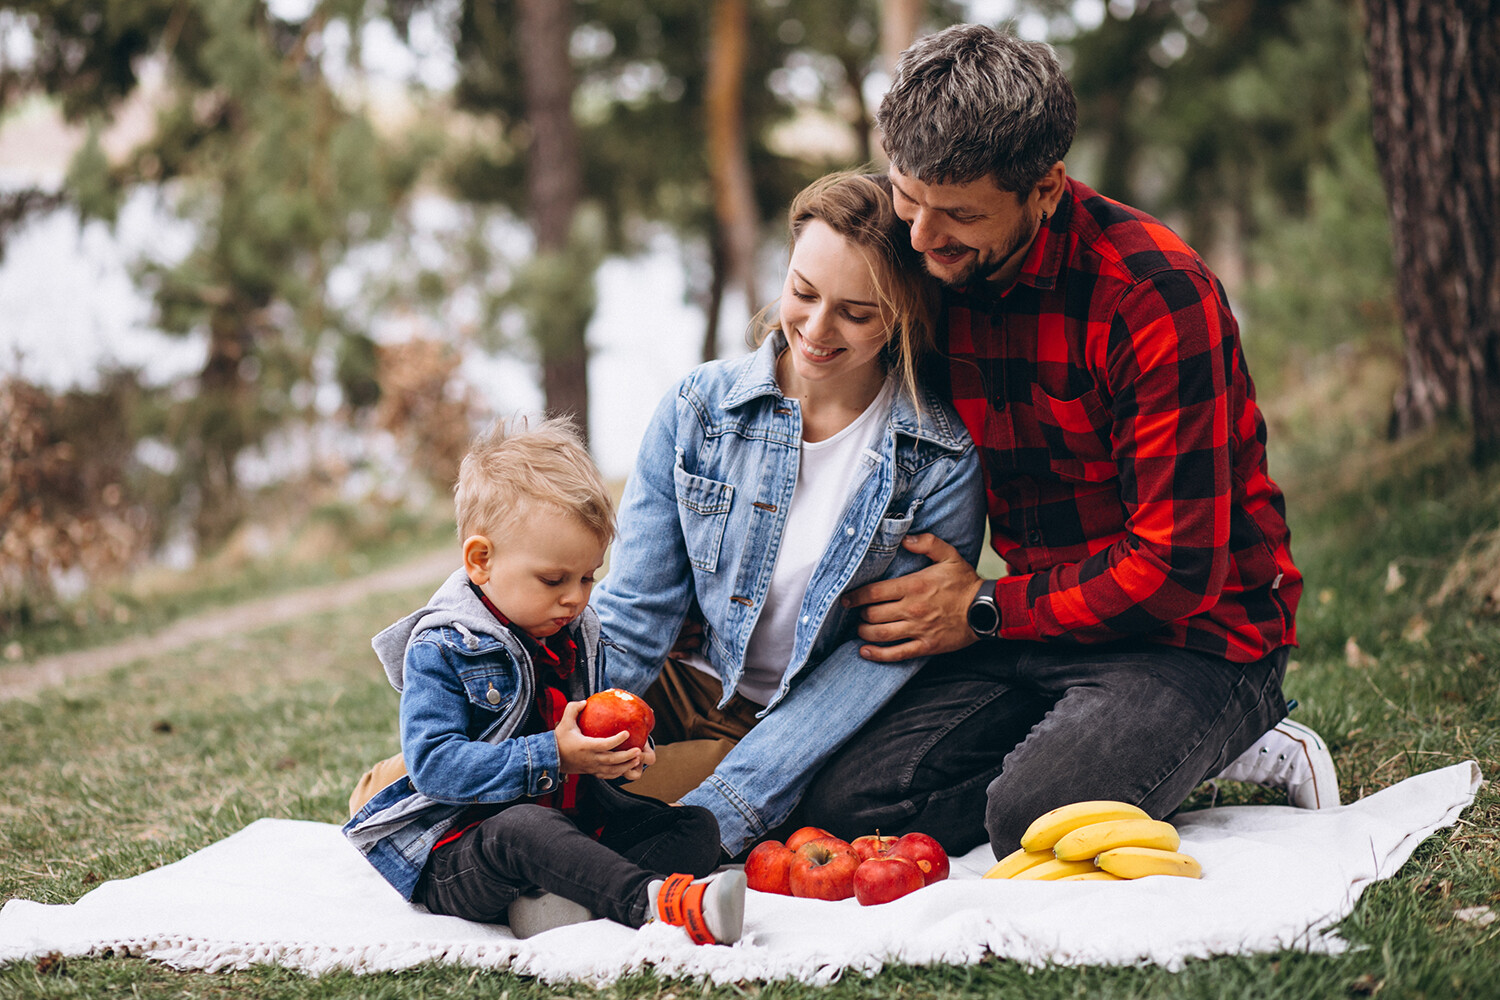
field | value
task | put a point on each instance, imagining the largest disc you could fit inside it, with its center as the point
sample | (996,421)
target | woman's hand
(580,754)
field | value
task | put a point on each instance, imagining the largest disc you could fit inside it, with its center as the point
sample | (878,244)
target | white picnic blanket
(296,894)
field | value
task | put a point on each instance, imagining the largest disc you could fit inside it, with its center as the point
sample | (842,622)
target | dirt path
(22,679)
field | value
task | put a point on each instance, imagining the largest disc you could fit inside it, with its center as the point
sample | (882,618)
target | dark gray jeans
(984,740)
(528,846)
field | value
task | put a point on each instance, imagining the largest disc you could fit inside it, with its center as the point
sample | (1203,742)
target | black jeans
(529,846)
(984,740)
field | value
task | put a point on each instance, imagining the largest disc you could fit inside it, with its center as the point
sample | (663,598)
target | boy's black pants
(528,846)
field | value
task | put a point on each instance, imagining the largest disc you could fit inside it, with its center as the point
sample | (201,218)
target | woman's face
(830,311)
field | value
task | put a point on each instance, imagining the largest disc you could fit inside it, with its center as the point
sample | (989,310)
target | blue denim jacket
(466,686)
(702,517)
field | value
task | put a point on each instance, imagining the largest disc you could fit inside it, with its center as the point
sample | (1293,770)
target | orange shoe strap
(680,903)
(692,911)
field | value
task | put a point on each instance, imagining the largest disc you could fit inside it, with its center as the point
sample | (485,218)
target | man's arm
(1169,370)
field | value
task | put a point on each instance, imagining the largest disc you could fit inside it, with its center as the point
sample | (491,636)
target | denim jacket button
(544,782)
(492,696)
(849,531)
(472,642)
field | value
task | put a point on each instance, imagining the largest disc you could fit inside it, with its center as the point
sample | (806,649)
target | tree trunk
(222,415)
(899,21)
(554,182)
(728,149)
(718,278)
(1434,77)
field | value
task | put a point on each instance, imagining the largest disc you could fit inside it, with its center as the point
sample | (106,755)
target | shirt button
(1033,537)
(544,782)
(849,531)
(805,619)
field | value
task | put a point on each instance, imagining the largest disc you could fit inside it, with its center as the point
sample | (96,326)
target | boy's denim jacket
(466,686)
(702,517)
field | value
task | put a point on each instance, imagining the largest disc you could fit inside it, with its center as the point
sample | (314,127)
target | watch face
(984,617)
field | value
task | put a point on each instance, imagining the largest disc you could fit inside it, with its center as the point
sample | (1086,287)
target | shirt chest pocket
(1077,435)
(703,511)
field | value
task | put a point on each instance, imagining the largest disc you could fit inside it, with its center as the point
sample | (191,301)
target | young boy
(504,794)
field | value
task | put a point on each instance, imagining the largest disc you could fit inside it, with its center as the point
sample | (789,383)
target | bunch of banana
(1098,840)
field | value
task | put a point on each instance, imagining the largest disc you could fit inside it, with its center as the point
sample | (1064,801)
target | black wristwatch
(984,613)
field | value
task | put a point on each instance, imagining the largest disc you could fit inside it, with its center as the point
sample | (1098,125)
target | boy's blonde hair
(507,469)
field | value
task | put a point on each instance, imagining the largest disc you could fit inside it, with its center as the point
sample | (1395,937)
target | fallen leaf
(1416,630)
(1357,658)
(1479,916)
(51,964)
(1394,580)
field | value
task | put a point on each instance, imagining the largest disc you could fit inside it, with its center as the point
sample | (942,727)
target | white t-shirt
(826,472)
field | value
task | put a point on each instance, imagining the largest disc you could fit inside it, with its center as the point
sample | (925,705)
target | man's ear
(477,554)
(1049,190)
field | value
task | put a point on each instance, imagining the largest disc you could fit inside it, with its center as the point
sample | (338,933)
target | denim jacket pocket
(703,508)
(490,685)
(891,530)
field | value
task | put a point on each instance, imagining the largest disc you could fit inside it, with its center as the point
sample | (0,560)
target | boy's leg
(665,839)
(478,876)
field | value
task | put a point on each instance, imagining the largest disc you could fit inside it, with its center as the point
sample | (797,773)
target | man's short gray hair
(972,102)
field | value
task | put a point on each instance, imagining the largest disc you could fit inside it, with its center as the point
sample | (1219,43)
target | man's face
(965,232)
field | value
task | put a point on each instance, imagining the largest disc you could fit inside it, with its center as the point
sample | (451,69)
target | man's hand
(922,613)
(580,754)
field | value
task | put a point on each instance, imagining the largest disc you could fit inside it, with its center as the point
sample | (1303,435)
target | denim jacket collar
(929,423)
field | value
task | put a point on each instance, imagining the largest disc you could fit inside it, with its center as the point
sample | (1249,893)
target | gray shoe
(1292,757)
(724,906)
(537,911)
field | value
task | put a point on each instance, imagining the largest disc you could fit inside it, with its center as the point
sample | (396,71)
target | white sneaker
(536,911)
(1292,757)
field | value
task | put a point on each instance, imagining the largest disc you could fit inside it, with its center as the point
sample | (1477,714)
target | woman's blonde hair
(508,469)
(858,207)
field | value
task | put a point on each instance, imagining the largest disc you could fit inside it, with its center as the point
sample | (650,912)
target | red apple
(609,713)
(802,836)
(882,879)
(768,867)
(926,852)
(823,868)
(871,845)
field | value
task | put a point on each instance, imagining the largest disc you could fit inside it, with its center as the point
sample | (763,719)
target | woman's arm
(835,697)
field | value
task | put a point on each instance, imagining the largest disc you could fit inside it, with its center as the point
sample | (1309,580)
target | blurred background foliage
(595,125)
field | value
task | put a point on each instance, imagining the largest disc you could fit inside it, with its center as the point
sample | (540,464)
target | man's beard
(985,266)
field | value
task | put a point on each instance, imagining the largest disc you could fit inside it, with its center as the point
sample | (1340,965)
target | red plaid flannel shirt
(1124,455)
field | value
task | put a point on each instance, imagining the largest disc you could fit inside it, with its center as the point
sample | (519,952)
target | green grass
(142,766)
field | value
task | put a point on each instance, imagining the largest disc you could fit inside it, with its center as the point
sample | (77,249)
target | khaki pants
(692,735)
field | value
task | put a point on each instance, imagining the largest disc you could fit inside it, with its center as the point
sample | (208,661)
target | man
(1138,644)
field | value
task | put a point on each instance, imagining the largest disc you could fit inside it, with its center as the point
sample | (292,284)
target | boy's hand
(648,757)
(580,754)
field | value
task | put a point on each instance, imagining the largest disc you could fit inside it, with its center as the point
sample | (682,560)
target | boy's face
(540,575)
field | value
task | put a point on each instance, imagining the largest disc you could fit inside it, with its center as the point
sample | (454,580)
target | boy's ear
(477,554)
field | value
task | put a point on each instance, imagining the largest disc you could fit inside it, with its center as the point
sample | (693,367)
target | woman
(766,487)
